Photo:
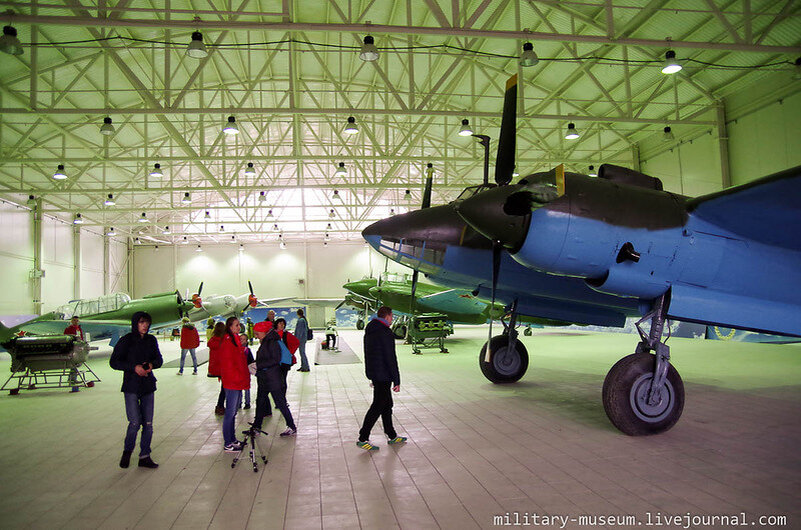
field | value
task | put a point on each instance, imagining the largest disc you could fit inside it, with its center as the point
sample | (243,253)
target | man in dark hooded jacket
(137,355)
(270,378)
(381,367)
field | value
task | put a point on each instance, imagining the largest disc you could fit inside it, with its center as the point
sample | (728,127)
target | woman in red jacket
(235,379)
(214,362)
(189,341)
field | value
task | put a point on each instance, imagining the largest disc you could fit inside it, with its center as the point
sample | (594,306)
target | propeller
(196,300)
(504,167)
(426,204)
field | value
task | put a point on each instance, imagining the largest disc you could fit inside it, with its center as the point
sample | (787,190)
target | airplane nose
(487,213)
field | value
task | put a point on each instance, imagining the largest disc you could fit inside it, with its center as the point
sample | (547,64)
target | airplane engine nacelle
(621,239)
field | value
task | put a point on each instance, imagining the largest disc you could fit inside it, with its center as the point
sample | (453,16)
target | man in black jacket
(381,367)
(270,378)
(137,355)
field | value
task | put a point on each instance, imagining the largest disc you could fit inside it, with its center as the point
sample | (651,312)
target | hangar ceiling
(290,74)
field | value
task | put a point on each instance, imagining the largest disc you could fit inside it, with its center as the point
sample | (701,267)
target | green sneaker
(397,440)
(367,446)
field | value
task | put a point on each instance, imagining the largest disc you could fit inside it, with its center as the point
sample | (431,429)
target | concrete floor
(542,447)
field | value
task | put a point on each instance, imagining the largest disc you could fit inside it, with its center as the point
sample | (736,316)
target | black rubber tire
(399,331)
(360,324)
(505,366)
(623,395)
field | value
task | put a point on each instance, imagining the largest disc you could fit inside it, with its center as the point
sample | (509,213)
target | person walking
(235,379)
(215,342)
(381,368)
(270,378)
(302,334)
(190,340)
(137,355)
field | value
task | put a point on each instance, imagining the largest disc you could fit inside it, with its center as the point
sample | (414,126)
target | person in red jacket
(217,334)
(235,379)
(74,328)
(189,341)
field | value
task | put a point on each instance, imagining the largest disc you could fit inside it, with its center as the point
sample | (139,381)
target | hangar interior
(113,115)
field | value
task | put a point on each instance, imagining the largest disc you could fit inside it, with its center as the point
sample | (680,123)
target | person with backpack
(303,333)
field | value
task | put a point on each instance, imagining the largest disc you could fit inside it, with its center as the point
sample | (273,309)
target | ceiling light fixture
(196,49)
(667,135)
(143,218)
(351,128)
(59,174)
(110,200)
(250,171)
(528,57)
(187,199)
(341,171)
(671,65)
(156,173)
(78,219)
(231,127)
(9,43)
(107,129)
(369,52)
(571,133)
(465,130)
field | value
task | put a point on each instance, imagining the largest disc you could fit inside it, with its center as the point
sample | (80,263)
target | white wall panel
(16,260)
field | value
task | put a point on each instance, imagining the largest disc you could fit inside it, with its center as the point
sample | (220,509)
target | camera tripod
(255,452)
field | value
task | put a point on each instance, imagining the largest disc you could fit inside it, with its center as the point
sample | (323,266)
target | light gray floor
(476,450)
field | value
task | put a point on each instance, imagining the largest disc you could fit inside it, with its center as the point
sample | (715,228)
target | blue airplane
(597,250)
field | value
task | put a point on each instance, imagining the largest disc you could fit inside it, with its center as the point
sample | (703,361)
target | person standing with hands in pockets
(381,367)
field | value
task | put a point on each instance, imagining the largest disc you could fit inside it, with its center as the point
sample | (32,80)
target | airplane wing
(320,302)
(453,301)
(767,210)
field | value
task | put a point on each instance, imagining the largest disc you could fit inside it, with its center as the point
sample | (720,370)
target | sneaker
(289,432)
(126,459)
(397,440)
(219,411)
(147,462)
(233,447)
(367,446)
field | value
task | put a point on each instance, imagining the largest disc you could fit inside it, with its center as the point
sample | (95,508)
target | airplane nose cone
(485,212)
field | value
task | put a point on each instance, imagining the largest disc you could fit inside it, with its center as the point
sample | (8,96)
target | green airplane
(458,305)
(104,317)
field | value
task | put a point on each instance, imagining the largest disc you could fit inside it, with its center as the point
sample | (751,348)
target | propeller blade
(429,185)
(497,248)
(505,160)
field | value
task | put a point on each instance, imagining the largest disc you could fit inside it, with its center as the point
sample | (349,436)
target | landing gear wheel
(507,364)
(360,324)
(625,396)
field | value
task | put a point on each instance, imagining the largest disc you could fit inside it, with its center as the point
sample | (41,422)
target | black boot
(147,462)
(125,460)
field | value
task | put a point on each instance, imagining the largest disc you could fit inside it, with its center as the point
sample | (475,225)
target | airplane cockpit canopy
(94,306)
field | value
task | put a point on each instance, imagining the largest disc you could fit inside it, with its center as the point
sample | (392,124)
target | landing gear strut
(643,393)
(507,358)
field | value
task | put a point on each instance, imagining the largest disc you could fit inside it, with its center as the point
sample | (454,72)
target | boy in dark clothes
(270,377)
(137,355)
(381,367)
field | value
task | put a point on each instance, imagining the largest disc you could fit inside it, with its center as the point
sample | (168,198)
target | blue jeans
(233,399)
(183,356)
(139,410)
(304,362)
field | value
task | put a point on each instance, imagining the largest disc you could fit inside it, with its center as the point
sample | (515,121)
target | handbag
(286,356)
